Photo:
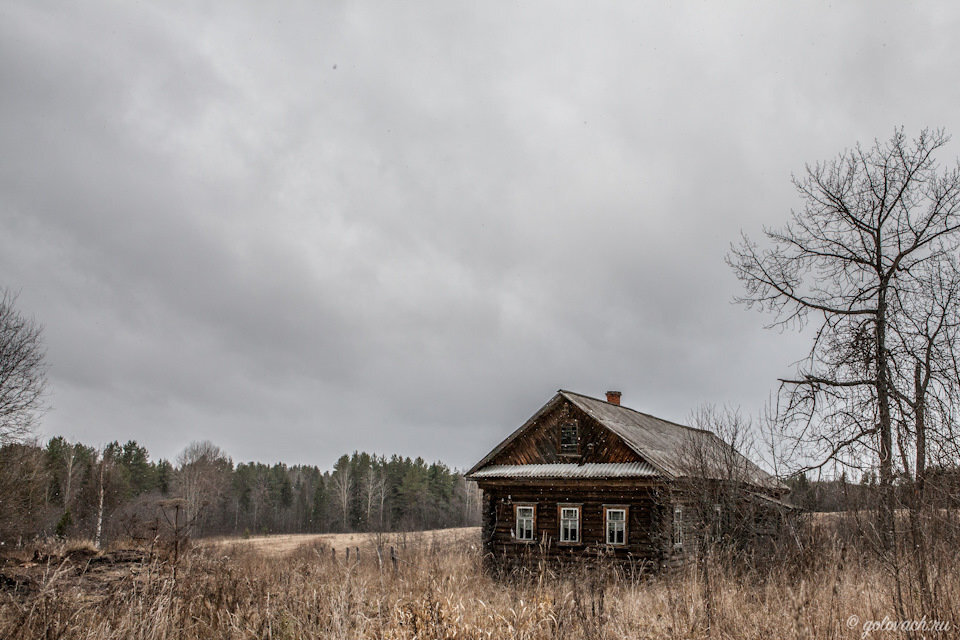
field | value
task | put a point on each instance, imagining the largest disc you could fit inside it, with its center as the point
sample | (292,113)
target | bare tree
(718,473)
(471,497)
(720,484)
(202,479)
(926,372)
(872,218)
(342,482)
(374,489)
(259,496)
(23,483)
(22,370)
(925,365)
(103,472)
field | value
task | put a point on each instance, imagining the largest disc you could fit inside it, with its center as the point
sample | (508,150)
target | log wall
(649,521)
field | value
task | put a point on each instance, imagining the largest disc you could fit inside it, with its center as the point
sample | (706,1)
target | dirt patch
(87,569)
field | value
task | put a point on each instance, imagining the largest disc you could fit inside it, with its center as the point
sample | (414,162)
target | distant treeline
(71,489)
(942,488)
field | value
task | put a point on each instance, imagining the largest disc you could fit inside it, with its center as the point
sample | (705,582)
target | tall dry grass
(441,591)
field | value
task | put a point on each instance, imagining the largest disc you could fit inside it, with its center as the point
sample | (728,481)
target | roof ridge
(648,415)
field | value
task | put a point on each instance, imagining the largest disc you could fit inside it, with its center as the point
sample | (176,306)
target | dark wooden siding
(540,443)
(648,521)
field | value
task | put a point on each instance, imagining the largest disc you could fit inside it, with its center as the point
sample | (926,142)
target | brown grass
(278,545)
(439,590)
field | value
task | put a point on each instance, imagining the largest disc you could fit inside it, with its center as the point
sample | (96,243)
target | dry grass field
(294,587)
(280,545)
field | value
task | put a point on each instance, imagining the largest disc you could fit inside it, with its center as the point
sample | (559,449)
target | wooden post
(348,554)
(394,559)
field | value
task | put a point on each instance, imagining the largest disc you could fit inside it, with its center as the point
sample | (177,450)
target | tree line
(70,489)
(847,494)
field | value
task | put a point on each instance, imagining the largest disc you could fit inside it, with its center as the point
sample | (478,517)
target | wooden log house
(584,475)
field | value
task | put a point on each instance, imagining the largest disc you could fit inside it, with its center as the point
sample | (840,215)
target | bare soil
(92,571)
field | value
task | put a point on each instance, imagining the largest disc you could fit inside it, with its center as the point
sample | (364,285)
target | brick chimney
(613,397)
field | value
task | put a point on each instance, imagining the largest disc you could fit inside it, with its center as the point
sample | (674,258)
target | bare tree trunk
(383,497)
(887,497)
(68,490)
(921,427)
(917,504)
(96,539)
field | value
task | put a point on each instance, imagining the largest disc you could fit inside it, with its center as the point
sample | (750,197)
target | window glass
(524,529)
(569,524)
(616,526)
(569,438)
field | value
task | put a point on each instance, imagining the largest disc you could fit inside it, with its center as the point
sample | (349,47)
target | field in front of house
(279,545)
(287,587)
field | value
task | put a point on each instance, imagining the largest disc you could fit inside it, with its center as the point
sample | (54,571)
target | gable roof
(659,442)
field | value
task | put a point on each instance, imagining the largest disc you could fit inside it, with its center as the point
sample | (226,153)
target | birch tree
(342,482)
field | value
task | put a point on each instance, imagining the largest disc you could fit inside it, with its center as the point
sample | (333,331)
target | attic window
(569,438)
(678,526)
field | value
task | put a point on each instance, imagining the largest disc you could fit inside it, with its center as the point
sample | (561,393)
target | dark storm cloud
(308,229)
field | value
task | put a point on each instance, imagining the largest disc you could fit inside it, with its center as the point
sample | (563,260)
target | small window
(524,529)
(569,524)
(616,526)
(678,526)
(569,438)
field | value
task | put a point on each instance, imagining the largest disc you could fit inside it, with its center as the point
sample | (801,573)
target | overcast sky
(301,229)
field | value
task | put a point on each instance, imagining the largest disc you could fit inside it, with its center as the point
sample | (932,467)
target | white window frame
(518,519)
(575,529)
(622,528)
(678,526)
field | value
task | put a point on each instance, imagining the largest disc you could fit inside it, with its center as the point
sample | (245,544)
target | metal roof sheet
(568,470)
(662,443)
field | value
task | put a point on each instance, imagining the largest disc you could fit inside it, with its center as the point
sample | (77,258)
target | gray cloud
(309,229)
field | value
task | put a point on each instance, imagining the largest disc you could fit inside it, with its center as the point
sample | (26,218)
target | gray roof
(569,470)
(661,443)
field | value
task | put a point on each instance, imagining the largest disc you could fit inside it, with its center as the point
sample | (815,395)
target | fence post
(394,558)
